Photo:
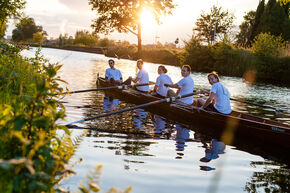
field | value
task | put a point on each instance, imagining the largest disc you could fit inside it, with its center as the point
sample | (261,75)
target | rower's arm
(136,80)
(155,88)
(173,86)
(208,101)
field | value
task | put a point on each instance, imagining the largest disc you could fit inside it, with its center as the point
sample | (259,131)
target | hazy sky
(67,16)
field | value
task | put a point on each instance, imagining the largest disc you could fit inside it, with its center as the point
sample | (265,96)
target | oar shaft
(260,105)
(106,88)
(169,99)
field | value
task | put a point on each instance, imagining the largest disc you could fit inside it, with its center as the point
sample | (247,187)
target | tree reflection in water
(274,178)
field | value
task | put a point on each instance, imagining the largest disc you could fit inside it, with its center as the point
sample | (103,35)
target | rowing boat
(236,124)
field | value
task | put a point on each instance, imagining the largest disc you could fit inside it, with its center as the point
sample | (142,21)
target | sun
(147,19)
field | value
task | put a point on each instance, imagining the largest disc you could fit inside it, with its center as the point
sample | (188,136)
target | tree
(284,2)
(9,9)
(246,28)
(25,29)
(275,20)
(124,15)
(259,12)
(83,37)
(217,22)
(38,38)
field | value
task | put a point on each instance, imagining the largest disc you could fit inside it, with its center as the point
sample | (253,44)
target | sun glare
(147,19)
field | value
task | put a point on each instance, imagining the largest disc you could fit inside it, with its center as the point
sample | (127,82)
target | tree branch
(130,30)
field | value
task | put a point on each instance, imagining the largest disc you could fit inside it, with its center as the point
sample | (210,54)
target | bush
(32,154)
(267,45)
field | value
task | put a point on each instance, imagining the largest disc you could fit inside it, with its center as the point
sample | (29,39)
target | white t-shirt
(222,98)
(113,73)
(161,80)
(187,87)
(144,79)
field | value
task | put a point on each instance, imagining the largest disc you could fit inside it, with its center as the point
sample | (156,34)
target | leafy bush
(267,45)
(32,154)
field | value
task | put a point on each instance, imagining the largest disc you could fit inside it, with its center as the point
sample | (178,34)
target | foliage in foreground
(32,154)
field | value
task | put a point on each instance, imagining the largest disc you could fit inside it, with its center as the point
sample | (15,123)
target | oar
(106,88)
(260,105)
(169,99)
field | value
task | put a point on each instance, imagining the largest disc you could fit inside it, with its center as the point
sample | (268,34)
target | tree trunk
(139,42)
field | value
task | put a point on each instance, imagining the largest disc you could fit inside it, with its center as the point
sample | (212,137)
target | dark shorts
(210,107)
(158,95)
(141,90)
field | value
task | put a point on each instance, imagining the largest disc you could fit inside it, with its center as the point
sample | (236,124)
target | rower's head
(140,64)
(111,63)
(161,69)
(185,70)
(213,77)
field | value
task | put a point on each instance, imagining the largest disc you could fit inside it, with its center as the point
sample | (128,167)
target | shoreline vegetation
(222,57)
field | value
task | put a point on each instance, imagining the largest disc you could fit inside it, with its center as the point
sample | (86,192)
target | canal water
(154,154)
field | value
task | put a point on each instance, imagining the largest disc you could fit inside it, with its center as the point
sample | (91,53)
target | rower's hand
(167,85)
(200,109)
(204,92)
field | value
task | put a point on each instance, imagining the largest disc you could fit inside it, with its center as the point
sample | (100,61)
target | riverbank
(221,57)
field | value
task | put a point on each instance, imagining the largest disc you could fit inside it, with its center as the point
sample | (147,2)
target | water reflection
(182,135)
(272,177)
(111,103)
(162,128)
(140,118)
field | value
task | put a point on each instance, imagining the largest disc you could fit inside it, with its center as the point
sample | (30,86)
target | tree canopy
(246,27)
(9,9)
(124,15)
(25,29)
(215,23)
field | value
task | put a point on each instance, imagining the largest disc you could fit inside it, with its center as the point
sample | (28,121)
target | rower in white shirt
(184,86)
(142,77)
(112,74)
(219,96)
(160,90)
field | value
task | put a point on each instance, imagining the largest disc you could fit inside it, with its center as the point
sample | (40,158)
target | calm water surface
(154,154)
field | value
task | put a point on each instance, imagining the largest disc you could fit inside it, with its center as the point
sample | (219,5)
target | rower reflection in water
(212,151)
(111,103)
(182,135)
(139,118)
(163,128)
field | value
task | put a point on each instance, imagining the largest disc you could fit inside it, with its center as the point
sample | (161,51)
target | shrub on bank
(155,55)
(230,61)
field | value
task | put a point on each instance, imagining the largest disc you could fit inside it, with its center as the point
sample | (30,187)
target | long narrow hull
(226,126)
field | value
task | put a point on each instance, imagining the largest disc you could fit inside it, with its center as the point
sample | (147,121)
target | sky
(67,16)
